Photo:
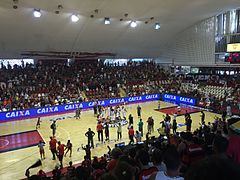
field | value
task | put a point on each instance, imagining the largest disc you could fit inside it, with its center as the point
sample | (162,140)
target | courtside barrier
(179,99)
(52,110)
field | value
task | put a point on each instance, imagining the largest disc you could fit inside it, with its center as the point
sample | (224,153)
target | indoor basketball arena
(120,90)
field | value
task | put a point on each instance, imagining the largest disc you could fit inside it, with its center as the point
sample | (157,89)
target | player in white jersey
(124,112)
(112,113)
(109,110)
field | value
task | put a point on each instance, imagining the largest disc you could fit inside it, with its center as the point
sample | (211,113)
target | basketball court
(178,112)
(18,140)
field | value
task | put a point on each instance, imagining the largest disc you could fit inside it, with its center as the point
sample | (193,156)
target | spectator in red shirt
(60,152)
(52,144)
(115,153)
(233,149)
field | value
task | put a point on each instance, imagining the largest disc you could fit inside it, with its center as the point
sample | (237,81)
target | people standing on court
(139,110)
(53,149)
(130,118)
(38,123)
(140,126)
(138,137)
(89,134)
(106,130)
(159,105)
(188,124)
(41,145)
(174,126)
(187,115)
(78,113)
(68,147)
(131,135)
(202,117)
(60,149)
(95,108)
(119,131)
(54,128)
(100,131)
(152,125)
(124,112)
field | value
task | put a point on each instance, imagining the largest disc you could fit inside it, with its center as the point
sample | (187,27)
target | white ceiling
(20,31)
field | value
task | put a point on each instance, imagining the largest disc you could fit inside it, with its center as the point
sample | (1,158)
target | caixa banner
(179,99)
(35,112)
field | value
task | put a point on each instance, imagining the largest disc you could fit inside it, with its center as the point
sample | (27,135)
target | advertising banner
(43,111)
(179,99)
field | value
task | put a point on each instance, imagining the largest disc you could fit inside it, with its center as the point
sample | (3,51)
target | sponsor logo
(115,101)
(153,96)
(73,106)
(132,99)
(169,96)
(47,110)
(15,114)
(186,100)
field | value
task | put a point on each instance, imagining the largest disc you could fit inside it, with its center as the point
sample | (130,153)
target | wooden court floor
(14,163)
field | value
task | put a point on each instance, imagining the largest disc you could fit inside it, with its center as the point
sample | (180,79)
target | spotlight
(37,13)
(157,26)
(133,24)
(107,20)
(74,18)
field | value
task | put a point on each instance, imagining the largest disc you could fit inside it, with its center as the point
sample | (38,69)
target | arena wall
(193,46)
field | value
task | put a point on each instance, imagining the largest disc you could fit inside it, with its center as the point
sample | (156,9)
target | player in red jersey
(60,149)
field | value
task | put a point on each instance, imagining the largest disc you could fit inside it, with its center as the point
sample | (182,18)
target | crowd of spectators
(46,84)
(210,152)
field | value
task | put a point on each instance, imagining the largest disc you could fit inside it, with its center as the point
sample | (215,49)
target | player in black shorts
(68,147)
(38,123)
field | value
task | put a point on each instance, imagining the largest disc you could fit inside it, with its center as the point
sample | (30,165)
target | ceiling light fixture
(37,13)
(133,24)
(74,18)
(157,26)
(107,20)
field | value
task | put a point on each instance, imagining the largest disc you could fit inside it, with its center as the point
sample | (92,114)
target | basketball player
(53,127)
(139,109)
(202,117)
(131,134)
(60,149)
(78,113)
(52,144)
(124,112)
(159,105)
(100,131)
(179,108)
(140,126)
(38,123)
(106,128)
(119,131)
(68,148)
(112,114)
(41,145)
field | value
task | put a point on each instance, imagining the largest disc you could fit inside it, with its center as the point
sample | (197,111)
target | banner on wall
(35,112)
(179,99)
